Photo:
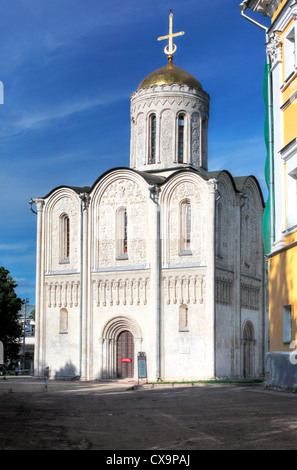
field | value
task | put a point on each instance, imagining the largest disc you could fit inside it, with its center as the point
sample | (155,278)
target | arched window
(64,238)
(185,227)
(181,131)
(183,318)
(121,233)
(153,138)
(63,320)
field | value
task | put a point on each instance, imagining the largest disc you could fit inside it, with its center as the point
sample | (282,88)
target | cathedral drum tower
(169,118)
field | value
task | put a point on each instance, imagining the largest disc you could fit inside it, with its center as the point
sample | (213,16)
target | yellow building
(280,218)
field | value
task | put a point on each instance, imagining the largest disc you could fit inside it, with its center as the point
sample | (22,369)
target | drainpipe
(154,196)
(81,196)
(243,6)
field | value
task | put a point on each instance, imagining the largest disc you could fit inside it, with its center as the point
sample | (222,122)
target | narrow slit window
(63,320)
(185,228)
(183,318)
(67,241)
(121,233)
(64,238)
(153,138)
(188,228)
(181,127)
(125,232)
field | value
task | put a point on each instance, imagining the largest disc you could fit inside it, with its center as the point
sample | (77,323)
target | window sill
(185,253)
(184,330)
(64,261)
(122,257)
(63,332)
(288,80)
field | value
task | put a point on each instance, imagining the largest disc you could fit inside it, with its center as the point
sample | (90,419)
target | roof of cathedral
(168,75)
(153,179)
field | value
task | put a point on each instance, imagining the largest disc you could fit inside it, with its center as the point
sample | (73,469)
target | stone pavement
(120,416)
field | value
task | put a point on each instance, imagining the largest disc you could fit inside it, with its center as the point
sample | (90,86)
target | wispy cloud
(37,120)
(20,246)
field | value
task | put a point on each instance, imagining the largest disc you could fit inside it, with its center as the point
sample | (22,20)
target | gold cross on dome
(170,48)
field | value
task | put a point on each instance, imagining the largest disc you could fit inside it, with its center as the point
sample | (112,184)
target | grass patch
(212,381)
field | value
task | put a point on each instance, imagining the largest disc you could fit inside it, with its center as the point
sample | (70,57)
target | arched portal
(248,350)
(125,355)
(121,339)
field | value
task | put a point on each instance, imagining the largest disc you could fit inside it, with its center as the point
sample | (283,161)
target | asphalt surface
(117,417)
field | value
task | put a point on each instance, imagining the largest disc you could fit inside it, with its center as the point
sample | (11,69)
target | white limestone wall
(63,201)
(57,285)
(239,277)
(127,306)
(185,350)
(121,294)
(61,347)
(119,189)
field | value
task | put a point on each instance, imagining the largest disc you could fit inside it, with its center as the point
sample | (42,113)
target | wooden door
(125,355)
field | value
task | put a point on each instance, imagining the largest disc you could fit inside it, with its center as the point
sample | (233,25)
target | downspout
(243,6)
(154,196)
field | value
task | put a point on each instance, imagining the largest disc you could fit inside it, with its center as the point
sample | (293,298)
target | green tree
(32,315)
(10,306)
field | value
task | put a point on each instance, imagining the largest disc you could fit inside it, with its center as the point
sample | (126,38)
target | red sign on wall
(126,359)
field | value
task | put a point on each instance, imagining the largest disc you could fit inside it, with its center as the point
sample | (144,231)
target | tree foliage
(10,306)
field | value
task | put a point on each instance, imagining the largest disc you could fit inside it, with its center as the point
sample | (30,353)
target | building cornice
(266,7)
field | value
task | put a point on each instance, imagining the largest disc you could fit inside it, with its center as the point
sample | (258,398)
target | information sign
(142,372)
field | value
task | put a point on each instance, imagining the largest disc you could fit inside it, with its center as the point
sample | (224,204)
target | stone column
(155,297)
(84,287)
(210,368)
(236,365)
(39,311)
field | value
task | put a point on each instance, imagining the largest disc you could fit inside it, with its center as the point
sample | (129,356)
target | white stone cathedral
(163,258)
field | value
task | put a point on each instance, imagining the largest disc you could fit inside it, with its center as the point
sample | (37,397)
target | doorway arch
(118,330)
(248,349)
(125,354)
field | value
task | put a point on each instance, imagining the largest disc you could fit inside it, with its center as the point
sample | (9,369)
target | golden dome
(168,75)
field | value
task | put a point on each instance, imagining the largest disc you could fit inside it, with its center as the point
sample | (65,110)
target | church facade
(162,260)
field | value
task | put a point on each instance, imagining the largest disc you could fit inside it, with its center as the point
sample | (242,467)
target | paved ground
(114,417)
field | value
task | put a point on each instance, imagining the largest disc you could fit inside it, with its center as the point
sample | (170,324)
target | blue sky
(69,67)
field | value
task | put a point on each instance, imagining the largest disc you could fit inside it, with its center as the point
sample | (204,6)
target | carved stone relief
(184,289)
(65,205)
(113,292)
(167,136)
(140,140)
(195,129)
(62,293)
(192,193)
(250,224)
(223,294)
(250,296)
(128,194)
